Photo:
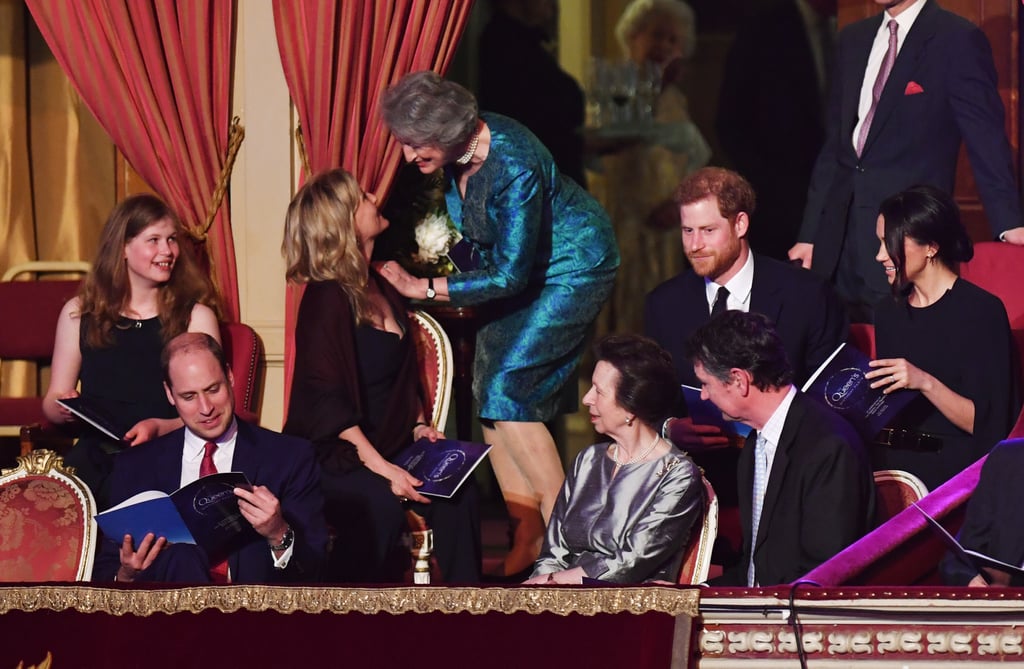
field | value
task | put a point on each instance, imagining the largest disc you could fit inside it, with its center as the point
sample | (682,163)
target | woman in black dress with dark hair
(942,336)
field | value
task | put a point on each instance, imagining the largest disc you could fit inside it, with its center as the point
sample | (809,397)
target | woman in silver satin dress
(625,511)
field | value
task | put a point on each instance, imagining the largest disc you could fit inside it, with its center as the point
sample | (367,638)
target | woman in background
(144,289)
(626,509)
(942,336)
(355,391)
(639,178)
(547,259)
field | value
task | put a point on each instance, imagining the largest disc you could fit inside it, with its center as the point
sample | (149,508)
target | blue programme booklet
(442,465)
(704,412)
(839,383)
(204,512)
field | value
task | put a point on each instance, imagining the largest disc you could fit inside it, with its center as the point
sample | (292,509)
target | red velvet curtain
(338,57)
(157,76)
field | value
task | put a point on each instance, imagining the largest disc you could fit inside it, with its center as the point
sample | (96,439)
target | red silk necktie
(218,571)
(207,466)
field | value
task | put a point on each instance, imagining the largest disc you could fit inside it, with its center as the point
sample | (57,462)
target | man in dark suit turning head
(286,536)
(804,478)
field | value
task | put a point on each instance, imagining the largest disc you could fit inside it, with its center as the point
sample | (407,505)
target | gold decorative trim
(39,462)
(871,638)
(227,599)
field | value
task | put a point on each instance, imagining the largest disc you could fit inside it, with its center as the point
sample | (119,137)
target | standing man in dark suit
(771,111)
(805,484)
(908,85)
(287,537)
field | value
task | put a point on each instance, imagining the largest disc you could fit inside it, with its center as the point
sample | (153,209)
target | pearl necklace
(636,458)
(468,155)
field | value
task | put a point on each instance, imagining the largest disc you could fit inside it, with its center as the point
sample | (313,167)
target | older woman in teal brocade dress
(547,262)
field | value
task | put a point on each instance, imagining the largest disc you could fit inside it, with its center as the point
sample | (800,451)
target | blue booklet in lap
(442,465)
(704,412)
(840,384)
(204,512)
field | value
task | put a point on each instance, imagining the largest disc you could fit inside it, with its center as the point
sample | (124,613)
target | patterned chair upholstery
(434,352)
(697,561)
(47,531)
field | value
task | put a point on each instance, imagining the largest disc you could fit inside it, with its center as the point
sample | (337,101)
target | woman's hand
(405,283)
(897,374)
(65,413)
(573,576)
(403,484)
(992,578)
(421,431)
(151,428)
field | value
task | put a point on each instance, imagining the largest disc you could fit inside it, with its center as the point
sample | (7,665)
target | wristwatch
(431,293)
(286,541)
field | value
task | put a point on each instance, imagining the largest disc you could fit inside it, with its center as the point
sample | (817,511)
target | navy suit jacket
(807,314)
(284,464)
(914,137)
(819,499)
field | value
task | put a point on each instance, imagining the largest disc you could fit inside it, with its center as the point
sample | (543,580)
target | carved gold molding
(909,639)
(557,600)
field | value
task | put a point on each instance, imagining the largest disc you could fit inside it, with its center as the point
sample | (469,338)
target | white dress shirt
(739,287)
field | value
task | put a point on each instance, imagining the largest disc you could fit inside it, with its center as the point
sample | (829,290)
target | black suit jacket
(284,464)
(819,499)
(770,120)
(913,139)
(807,314)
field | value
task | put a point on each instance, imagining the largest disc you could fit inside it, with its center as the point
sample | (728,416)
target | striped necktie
(876,90)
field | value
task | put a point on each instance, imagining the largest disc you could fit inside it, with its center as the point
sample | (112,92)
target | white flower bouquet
(435,235)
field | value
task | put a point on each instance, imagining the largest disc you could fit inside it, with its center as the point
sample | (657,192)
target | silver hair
(639,15)
(423,109)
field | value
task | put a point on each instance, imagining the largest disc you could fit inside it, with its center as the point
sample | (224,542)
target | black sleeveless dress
(126,379)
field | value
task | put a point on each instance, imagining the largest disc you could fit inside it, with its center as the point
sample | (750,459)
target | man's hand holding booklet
(204,512)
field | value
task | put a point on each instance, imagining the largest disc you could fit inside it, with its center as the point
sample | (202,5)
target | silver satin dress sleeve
(627,529)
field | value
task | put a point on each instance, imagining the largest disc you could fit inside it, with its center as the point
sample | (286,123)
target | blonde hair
(106,290)
(320,240)
(640,15)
